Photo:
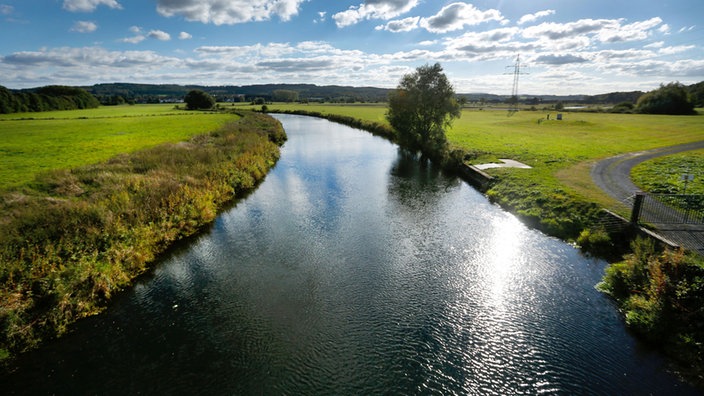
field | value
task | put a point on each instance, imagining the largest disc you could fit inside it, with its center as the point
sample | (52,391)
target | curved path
(613,175)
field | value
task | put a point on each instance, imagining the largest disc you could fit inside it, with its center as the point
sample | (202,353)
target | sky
(562,46)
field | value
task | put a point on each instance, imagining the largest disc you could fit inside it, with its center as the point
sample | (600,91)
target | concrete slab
(505,163)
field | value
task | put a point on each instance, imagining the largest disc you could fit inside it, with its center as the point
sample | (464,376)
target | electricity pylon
(513,101)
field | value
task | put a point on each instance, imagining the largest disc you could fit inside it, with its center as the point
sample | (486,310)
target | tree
(672,98)
(420,109)
(285,95)
(199,100)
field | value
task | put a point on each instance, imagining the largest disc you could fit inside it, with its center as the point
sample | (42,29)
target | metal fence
(668,209)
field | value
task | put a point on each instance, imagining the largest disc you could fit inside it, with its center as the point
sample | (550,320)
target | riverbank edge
(594,230)
(75,237)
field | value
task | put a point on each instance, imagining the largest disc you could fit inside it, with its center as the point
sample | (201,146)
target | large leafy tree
(420,109)
(672,99)
(199,100)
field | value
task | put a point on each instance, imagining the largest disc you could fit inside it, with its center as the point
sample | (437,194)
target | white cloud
(401,25)
(557,31)
(373,9)
(229,12)
(159,35)
(533,17)
(6,9)
(135,39)
(559,60)
(675,49)
(84,27)
(456,15)
(631,32)
(184,36)
(89,5)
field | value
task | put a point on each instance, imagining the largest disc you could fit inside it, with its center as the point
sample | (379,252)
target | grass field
(664,175)
(34,142)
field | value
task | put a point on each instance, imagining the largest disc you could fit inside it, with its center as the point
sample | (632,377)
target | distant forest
(53,97)
(66,98)
(149,93)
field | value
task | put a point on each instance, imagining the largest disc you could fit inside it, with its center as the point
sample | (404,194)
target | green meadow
(35,142)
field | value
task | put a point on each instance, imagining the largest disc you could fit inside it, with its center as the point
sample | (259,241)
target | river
(356,269)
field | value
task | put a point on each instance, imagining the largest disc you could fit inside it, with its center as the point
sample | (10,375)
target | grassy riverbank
(70,239)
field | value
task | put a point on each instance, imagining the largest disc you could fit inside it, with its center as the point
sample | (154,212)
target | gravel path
(613,175)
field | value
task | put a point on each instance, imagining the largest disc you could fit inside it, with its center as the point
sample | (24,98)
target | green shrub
(595,240)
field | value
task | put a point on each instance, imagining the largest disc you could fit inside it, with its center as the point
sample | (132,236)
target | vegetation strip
(74,237)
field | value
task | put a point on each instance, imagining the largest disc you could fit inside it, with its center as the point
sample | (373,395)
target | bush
(623,108)
(199,100)
(671,99)
(595,240)
(661,294)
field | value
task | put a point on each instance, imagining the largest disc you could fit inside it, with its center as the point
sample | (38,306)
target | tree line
(52,97)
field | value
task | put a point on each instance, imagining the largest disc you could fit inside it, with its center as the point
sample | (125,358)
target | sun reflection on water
(503,252)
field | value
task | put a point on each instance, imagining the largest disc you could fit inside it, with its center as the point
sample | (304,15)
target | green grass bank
(71,238)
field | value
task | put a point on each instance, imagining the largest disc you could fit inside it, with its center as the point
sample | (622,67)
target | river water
(356,269)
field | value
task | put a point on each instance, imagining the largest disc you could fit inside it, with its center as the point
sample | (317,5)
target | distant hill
(153,93)
(311,92)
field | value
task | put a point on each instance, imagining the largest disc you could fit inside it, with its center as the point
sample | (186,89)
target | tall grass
(74,237)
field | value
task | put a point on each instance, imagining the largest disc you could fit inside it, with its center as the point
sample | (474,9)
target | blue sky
(566,46)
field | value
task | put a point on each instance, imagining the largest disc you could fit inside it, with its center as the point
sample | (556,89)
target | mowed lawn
(31,143)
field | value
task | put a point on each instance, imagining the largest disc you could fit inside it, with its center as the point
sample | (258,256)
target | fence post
(637,205)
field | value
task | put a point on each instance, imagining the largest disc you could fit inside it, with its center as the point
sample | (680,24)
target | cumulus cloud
(631,32)
(533,17)
(84,27)
(402,25)
(229,12)
(159,35)
(676,49)
(86,58)
(603,30)
(373,9)
(184,36)
(457,15)
(6,9)
(89,5)
(560,59)
(558,31)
